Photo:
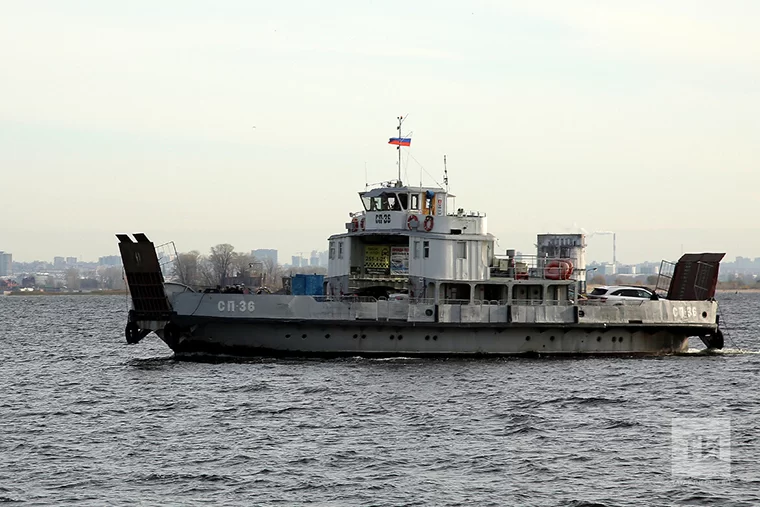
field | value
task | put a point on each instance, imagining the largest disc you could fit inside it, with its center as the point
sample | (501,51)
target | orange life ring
(361,224)
(558,269)
(412,222)
(429,222)
(354,224)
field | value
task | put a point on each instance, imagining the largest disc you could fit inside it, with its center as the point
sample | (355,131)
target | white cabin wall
(466,224)
(443,262)
(338,264)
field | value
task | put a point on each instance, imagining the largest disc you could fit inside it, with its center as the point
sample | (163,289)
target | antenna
(445,175)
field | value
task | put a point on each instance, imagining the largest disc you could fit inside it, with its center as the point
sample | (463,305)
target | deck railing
(528,267)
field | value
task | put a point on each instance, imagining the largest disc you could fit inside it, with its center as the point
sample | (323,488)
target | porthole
(327,335)
(356,336)
(392,337)
(551,338)
(400,337)
(435,337)
(303,335)
(287,336)
(427,337)
(598,338)
(364,336)
(527,338)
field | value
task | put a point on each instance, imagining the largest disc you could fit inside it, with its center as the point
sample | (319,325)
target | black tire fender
(171,332)
(132,333)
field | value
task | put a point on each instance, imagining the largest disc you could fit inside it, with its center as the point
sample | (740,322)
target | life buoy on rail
(361,224)
(429,222)
(354,224)
(558,269)
(412,222)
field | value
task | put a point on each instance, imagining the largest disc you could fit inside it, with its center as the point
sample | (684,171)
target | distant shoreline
(89,293)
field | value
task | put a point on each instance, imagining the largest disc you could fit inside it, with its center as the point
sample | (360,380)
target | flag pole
(400,121)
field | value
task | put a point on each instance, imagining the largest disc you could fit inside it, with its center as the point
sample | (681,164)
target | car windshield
(598,291)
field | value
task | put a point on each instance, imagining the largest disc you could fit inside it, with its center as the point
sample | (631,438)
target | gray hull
(233,337)
(249,325)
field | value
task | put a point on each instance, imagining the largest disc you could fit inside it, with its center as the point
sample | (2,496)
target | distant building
(110,260)
(648,268)
(6,264)
(323,259)
(295,261)
(59,263)
(263,254)
(626,269)
(314,258)
(71,261)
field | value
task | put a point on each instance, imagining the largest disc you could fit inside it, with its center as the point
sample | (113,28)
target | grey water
(86,419)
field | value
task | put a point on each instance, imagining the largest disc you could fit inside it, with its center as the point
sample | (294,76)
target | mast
(398,148)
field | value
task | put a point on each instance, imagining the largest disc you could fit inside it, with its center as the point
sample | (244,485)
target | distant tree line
(224,266)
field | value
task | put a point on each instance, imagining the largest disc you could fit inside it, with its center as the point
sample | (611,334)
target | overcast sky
(636,117)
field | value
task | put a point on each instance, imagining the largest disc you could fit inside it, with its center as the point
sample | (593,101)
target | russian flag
(400,141)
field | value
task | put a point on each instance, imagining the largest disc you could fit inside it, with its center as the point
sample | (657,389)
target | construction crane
(614,243)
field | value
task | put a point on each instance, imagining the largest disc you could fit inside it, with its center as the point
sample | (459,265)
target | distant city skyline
(599,248)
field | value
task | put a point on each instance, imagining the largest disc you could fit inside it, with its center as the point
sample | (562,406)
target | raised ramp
(144,278)
(695,277)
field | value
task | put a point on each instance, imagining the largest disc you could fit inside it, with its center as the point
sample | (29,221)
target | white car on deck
(621,293)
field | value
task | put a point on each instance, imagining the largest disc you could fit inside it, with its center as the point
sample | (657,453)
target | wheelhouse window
(340,249)
(426,248)
(404,199)
(332,250)
(416,249)
(415,203)
(387,201)
(461,249)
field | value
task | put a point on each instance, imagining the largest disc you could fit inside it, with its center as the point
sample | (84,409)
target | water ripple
(87,419)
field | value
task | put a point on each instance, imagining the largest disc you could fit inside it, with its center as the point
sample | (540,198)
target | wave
(583,400)
(615,424)
(585,503)
(719,352)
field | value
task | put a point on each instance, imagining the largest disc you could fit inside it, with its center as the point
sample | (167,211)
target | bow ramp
(695,278)
(146,285)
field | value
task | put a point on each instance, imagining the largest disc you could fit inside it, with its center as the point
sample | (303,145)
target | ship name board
(236,306)
(383,218)
(684,312)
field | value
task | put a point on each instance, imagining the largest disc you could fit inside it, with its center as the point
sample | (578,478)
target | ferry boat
(411,274)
